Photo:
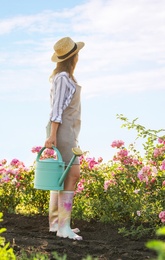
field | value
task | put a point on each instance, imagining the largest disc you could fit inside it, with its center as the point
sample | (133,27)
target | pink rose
(106,185)
(80,187)
(91,163)
(163,165)
(36,149)
(162,216)
(117,143)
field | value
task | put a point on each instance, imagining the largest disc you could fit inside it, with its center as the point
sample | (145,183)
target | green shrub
(158,245)
(129,189)
(6,253)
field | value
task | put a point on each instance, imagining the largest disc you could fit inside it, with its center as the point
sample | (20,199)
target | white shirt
(62,91)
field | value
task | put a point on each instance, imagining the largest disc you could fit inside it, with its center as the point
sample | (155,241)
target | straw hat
(66,48)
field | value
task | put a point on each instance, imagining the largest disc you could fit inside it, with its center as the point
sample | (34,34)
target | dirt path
(100,240)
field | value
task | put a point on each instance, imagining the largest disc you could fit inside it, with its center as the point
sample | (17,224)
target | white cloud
(124,83)
(125,45)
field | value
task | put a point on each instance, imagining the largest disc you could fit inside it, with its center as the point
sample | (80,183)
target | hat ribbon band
(70,52)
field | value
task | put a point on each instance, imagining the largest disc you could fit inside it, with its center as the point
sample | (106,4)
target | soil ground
(30,233)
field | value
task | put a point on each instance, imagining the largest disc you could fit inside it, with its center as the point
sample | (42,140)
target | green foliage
(158,245)
(135,190)
(129,189)
(17,194)
(89,258)
(150,135)
(136,231)
(6,253)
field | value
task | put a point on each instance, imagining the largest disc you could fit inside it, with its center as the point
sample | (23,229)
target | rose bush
(16,189)
(129,188)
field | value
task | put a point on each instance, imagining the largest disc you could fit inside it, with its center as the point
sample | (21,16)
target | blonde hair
(67,66)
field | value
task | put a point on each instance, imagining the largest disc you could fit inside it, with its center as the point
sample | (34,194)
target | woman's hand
(50,142)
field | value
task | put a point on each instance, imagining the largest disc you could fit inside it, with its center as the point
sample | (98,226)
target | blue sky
(121,69)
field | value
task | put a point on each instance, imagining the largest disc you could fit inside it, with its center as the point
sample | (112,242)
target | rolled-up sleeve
(62,93)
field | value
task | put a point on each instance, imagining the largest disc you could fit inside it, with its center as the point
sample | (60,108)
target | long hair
(67,66)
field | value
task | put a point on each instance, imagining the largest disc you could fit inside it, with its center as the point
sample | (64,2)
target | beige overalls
(68,131)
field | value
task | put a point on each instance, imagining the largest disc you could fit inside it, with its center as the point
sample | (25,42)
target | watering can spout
(76,152)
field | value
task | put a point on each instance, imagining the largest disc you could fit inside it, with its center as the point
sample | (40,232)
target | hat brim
(54,57)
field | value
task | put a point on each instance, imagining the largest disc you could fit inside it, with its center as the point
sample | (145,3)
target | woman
(63,130)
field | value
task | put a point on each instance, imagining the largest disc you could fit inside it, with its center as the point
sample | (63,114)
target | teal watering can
(50,173)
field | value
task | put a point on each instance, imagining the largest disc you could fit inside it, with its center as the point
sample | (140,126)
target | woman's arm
(52,138)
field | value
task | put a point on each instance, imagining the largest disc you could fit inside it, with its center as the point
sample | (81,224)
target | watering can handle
(54,148)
